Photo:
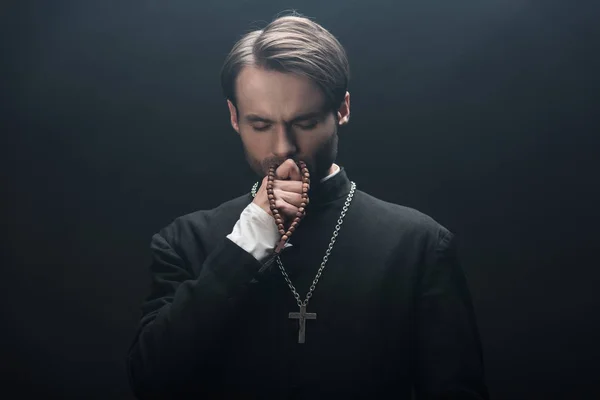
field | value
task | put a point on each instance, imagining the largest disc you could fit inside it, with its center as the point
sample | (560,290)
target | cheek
(311,140)
(256,144)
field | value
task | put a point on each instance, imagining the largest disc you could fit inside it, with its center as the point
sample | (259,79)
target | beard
(318,164)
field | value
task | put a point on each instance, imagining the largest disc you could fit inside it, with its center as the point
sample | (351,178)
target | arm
(449,352)
(185,316)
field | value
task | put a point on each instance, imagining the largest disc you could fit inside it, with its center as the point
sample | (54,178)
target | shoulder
(197,224)
(402,222)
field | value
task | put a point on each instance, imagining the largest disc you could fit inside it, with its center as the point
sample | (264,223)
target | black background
(478,113)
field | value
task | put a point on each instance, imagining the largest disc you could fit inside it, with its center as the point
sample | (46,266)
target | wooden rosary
(285,235)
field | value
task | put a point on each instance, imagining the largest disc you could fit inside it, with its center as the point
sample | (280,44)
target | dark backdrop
(478,113)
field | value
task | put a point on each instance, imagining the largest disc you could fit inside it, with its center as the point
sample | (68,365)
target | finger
(294,199)
(287,210)
(288,170)
(295,173)
(288,186)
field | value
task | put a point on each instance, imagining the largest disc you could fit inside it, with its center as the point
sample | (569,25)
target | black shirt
(394,312)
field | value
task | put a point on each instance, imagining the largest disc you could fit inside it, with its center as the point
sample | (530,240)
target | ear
(344,110)
(233,116)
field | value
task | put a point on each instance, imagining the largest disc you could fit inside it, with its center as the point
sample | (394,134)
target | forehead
(276,94)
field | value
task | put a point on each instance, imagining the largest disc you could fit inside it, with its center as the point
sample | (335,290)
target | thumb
(288,170)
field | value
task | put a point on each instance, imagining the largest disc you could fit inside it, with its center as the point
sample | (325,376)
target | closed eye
(308,126)
(305,126)
(261,128)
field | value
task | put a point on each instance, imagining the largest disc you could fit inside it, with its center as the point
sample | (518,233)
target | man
(366,299)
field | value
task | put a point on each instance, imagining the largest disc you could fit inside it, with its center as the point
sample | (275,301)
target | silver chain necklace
(302,316)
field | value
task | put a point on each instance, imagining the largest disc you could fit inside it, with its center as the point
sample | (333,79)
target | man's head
(286,88)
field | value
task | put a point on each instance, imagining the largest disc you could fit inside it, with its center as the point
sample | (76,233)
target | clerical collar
(336,169)
(330,188)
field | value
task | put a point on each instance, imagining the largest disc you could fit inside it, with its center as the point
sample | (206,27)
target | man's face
(283,115)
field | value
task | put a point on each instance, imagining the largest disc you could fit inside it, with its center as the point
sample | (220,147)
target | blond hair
(291,44)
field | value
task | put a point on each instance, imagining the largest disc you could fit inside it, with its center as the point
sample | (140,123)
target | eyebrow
(301,117)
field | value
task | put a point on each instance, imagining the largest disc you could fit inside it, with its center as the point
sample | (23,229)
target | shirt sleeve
(256,232)
(449,352)
(177,347)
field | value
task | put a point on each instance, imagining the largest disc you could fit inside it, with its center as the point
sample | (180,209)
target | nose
(283,143)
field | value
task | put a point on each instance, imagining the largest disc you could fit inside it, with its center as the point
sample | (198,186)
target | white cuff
(256,232)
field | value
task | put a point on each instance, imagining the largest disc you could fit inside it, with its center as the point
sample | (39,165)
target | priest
(304,286)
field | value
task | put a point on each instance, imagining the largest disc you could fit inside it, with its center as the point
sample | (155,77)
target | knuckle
(280,205)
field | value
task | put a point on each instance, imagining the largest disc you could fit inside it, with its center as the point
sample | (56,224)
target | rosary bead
(305,179)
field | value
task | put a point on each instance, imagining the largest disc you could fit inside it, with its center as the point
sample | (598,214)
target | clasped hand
(287,189)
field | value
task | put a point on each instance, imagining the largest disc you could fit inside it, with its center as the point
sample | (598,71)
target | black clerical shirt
(393,309)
